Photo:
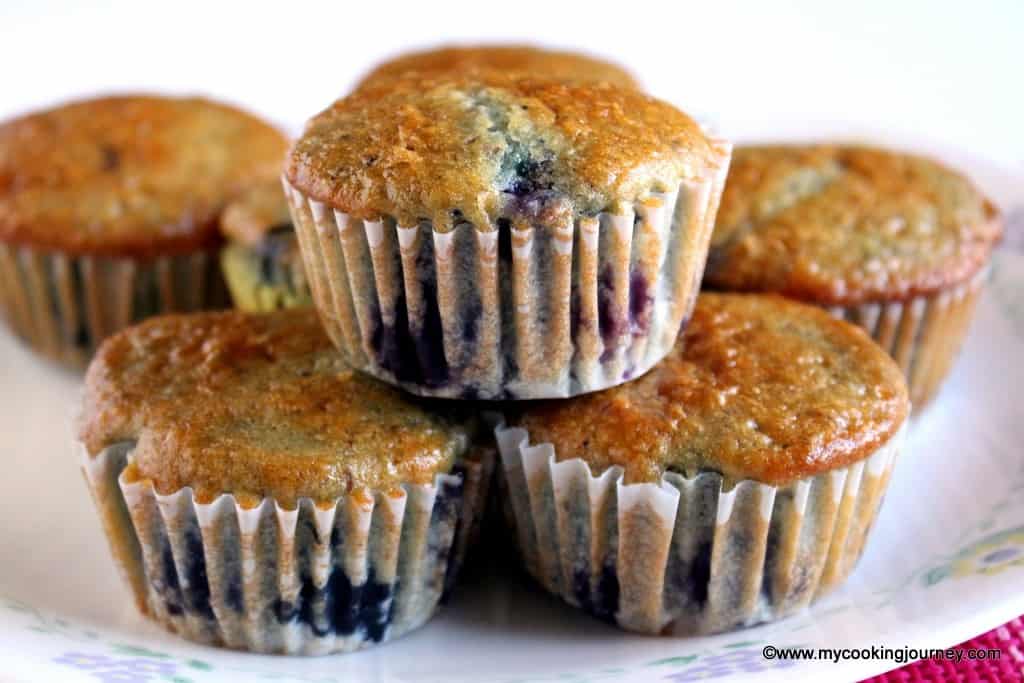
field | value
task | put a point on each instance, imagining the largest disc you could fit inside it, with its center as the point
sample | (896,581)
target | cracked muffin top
(257,405)
(524,59)
(483,146)
(843,225)
(258,210)
(128,175)
(757,387)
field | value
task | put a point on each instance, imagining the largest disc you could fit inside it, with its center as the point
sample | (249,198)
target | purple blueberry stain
(413,356)
(531,177)
(610,321)
(341,607)
(640,301)
(600,600)
(471,315)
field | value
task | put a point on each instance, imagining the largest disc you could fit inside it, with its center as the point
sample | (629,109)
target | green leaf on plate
(197,664)
(936,575)
(684,659)
(137,651)
(743,643)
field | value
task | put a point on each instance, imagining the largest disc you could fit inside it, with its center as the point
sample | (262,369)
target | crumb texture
(554,64)
(846,225)
(257,405)
(257,211)
(128,175)
(758,387)
(483,146)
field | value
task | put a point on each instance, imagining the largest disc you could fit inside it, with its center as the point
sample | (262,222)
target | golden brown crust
(490,145)
(554,64)
(128,175)
(257,210)
(256,405)
(846,225)
(758,387)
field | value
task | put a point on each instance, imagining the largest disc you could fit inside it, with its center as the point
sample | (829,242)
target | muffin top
(758,387)
(486,145)
(525,59)
(258,210)
(845,225)
(257,405)
(128,175)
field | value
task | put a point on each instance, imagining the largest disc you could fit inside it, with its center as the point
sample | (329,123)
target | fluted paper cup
(691,554)
(922,334)
(315,579)
(63,305)
(502,312)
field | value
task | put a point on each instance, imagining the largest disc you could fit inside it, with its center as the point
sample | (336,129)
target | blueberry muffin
(492,236)
(731,485)
(524,59)
(895,243)
(261,262)
(109,211)
(260,495)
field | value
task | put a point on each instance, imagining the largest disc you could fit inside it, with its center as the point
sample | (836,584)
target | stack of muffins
(481,224)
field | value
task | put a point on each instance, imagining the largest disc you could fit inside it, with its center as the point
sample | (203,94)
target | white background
(943,72)
(921,74)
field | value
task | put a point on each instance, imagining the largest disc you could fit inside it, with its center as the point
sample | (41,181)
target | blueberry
(110,158)
(602,601)
(167,586)
(610,321)
(197,595)
(340,607)
(640,302)
(414,358)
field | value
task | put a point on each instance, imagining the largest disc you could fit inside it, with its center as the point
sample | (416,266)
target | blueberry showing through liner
(233,595)
(470,321)
(168,588)
(285,611)
(603,601)
(640,302)
(610,321)
(197,593)
(700,574)
(415,359)
(341,608)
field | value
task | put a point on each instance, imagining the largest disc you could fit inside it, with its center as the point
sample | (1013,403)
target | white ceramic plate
(946,561)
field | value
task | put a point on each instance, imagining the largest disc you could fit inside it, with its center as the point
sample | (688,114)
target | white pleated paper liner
(64,305)
(923,334)
(691,554)
(496,312)
(312,580)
